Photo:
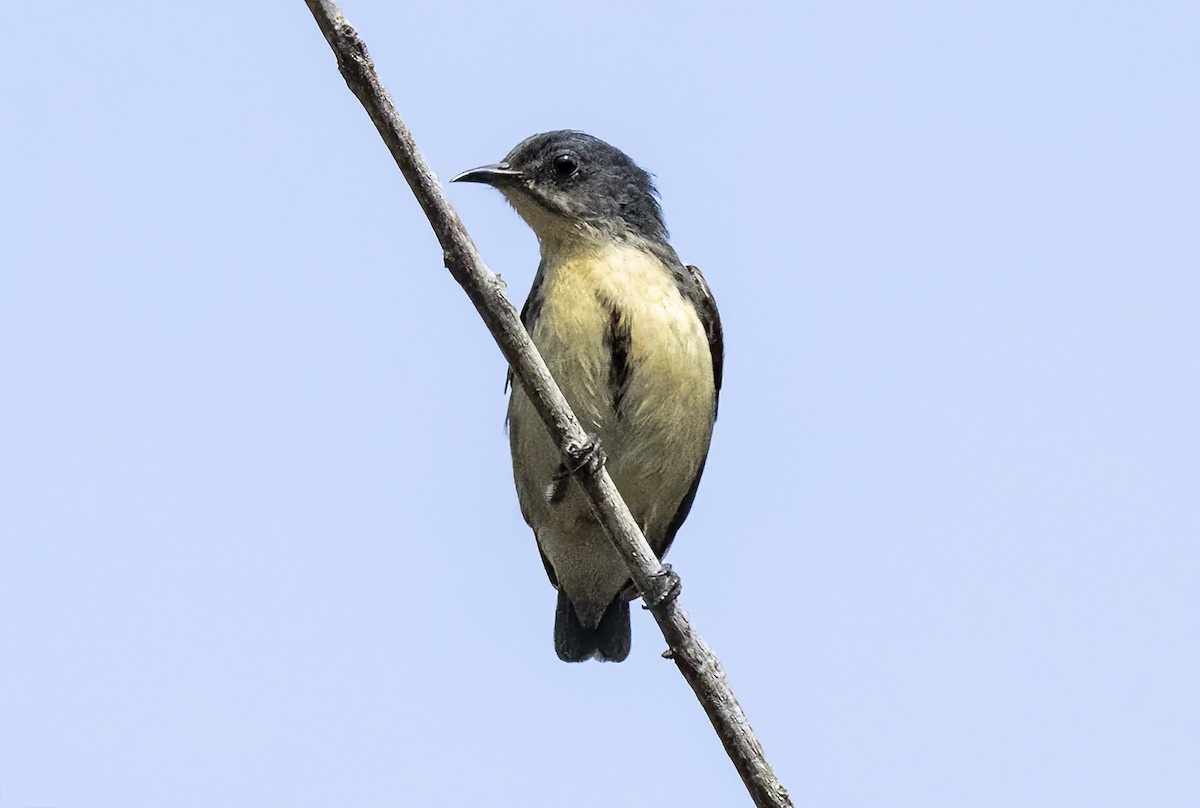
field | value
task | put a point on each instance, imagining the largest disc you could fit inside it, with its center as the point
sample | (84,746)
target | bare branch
(698,664)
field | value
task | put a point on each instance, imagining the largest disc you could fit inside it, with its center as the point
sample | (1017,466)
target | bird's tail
(608,641)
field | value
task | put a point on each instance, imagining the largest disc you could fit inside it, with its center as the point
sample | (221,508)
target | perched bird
(633,339)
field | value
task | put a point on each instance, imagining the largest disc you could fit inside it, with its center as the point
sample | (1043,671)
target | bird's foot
(664,587)
(587,456)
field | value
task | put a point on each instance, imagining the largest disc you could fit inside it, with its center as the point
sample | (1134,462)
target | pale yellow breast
(581,293)
(660,439)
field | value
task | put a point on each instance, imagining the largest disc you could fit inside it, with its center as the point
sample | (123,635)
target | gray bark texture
(695,660)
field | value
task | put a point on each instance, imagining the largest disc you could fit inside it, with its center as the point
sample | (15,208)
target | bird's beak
(496,175)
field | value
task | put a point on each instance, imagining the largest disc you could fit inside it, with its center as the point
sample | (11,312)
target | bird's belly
(650,400)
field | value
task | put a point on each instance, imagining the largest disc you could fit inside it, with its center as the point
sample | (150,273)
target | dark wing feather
(706,307)
(529,314)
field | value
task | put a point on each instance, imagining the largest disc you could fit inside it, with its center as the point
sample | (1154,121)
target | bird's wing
(696,290)
(706,308)
(529,315)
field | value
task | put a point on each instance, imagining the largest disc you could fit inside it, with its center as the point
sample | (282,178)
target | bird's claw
(587,456)
(664,587)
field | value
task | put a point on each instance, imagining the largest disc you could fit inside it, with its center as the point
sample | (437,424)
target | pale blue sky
(258,539)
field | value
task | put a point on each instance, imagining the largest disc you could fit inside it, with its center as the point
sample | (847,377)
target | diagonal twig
(696,661)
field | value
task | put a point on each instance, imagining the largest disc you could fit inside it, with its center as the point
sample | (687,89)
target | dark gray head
(562,182)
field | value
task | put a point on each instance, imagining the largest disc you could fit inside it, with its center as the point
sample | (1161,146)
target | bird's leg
(587,456)
(664,587)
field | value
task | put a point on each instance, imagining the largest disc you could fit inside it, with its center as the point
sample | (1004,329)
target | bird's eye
(565,165)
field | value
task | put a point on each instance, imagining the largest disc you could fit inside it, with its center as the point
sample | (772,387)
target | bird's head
(569,184)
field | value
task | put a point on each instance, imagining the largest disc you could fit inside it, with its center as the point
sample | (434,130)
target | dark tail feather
(608,642)
(612,635)
(572,642)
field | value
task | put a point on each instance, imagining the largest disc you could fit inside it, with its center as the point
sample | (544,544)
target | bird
(633,338)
